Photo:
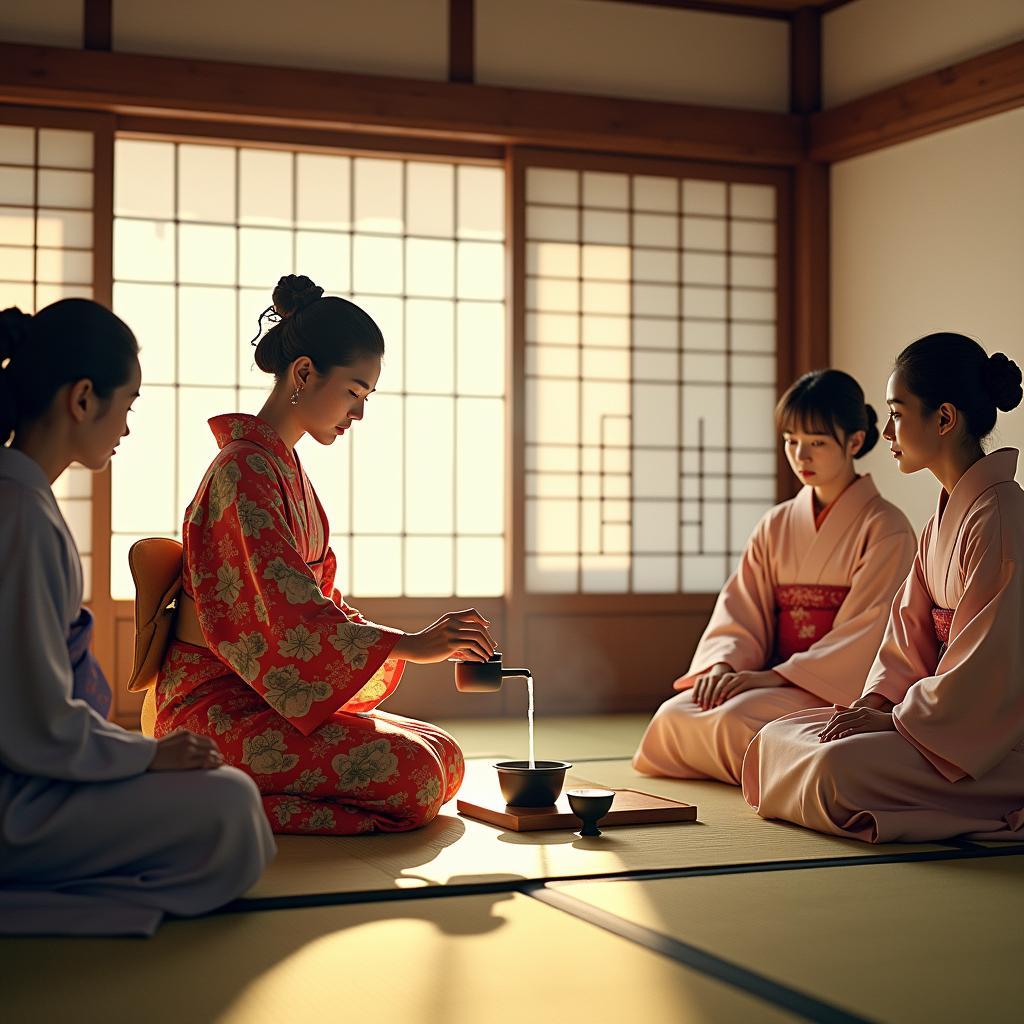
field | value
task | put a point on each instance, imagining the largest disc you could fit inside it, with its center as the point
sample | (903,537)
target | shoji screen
(650,356)
(46,254)
(415,493)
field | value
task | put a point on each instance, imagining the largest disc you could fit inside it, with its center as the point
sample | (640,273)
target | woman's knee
(427,788)
(449,754)
(229,807)
(676,713)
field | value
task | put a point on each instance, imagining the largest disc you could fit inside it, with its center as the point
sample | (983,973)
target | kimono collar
(16,465)
(988,471)
(847,506)
(237,426)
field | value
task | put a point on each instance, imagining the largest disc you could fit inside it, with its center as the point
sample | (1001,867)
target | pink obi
(804,613)
(942,619)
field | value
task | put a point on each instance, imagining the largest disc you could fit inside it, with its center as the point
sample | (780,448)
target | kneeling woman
(797,624)
(102,831)
(935,746)
(280,670)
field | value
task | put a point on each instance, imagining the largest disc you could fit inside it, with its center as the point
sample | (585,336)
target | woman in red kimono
(281,671)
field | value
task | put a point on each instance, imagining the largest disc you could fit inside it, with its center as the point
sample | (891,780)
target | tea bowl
(523,786)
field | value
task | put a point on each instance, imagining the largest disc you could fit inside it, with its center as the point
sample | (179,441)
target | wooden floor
(729,918)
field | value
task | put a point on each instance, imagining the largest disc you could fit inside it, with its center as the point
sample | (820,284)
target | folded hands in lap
(720,683)
(870,713)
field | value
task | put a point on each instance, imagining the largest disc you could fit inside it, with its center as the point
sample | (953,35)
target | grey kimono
(90,842)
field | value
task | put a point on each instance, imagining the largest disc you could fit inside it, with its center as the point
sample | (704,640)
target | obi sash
(804,613)
(942,619)
(90,683)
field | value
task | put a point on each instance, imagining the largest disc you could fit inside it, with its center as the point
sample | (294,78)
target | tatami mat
(462,960)
(933,942)
(729,832)
(457,850)
(562,737)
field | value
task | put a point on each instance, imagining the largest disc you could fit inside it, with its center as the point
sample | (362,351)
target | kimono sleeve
(385,680)
(44,732)
(969,714)
(909,650)
(741,631)
(834,668)
(261,609)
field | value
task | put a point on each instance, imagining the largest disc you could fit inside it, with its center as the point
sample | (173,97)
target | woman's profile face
(330,403)
(913,434)
(102,431)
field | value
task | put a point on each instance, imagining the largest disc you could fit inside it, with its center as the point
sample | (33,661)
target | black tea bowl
(523,786)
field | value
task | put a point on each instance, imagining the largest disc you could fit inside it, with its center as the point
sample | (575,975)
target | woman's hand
(854,721)
(185,751)
(872,701)
(875,701)
(704,680)
(730,684)
(460,634)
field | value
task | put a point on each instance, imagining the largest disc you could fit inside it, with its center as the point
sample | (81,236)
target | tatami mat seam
(725,971)
(340,898)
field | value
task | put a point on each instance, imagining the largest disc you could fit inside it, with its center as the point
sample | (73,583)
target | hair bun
(14,328)
(871,434)
(294,293)
(1003,380)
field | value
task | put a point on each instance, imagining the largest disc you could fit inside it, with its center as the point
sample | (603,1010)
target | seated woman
(935,746)
(101,830)
(287,676)
(798,622)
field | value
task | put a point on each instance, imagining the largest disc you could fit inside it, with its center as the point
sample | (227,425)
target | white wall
(378,37)
(622,49)
(586,46)
(928,236)
(869,45)
(46,22)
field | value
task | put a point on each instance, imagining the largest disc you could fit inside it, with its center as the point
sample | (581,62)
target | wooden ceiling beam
(774,9)
(124,83)
(967,91)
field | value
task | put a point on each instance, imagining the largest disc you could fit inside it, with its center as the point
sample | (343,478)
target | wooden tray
(631,807)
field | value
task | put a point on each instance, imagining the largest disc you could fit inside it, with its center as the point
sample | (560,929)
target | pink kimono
(952,661)
(809,599)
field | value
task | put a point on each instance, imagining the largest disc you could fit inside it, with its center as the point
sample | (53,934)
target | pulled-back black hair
(68,341)
(330,330)
(825,402)
(947,367)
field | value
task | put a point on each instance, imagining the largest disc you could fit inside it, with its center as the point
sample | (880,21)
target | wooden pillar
(97,24)
(461,40)
(101,603)
(811,255)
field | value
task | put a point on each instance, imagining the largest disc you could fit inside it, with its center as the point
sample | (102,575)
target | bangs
(800,412)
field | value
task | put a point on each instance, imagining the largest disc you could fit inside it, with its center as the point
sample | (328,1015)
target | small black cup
(590,806)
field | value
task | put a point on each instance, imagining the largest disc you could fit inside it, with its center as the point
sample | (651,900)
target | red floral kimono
(292,675)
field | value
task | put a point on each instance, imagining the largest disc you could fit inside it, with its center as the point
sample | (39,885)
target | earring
(295,396)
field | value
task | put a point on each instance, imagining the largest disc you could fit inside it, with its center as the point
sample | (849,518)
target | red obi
(804,613)
(942,619)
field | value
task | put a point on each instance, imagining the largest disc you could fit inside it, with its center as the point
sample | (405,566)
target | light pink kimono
(810,599)
(952,661)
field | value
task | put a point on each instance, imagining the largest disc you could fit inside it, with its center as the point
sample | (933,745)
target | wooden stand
(631,807)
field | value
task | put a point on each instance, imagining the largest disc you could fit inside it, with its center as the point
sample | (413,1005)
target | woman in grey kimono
(102,831)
